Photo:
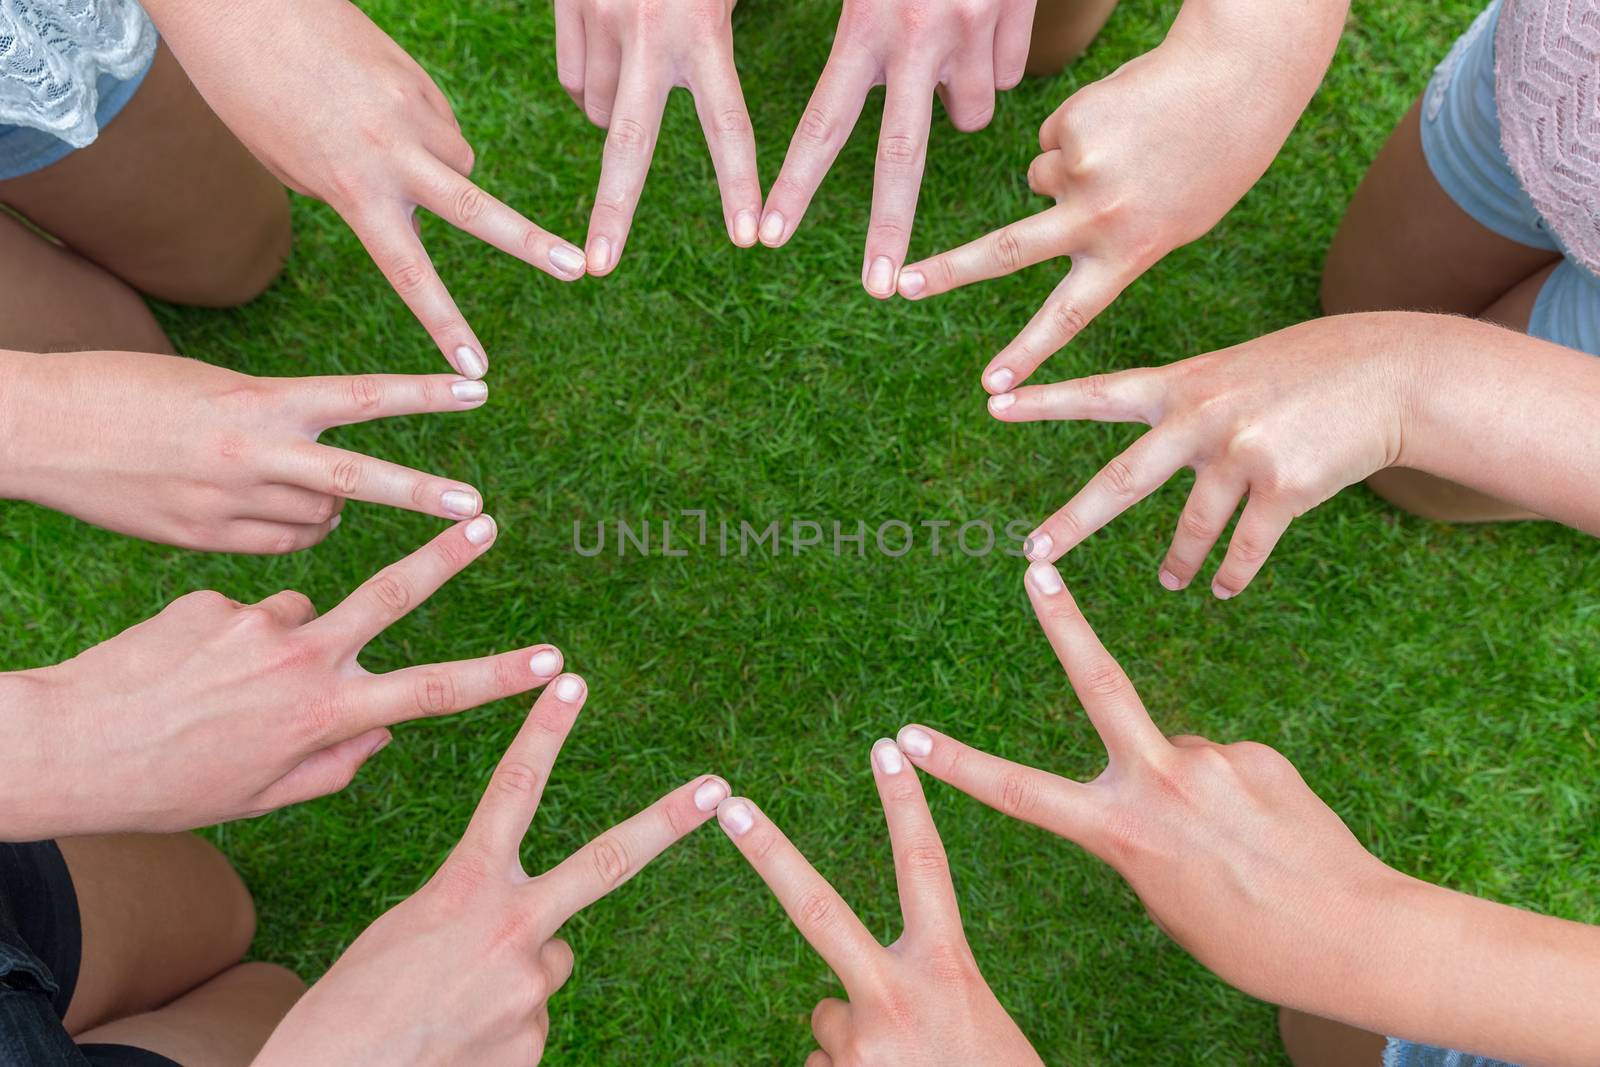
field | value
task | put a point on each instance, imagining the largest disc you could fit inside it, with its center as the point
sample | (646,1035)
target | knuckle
(817,127)
(1007,251)
(365,393)
(280,543)
(679,820)
(516,780)
(406,277)
(320,716)
(1105,678)
(608,857)
(817,910)
(1248,549)
(898,149)
(1125,836)
(346,475)
(469,204)
(733,121)
(1118,477)
(761,847)
(926,857)
(1019,795)
(435,693)
(392,590)
(1065,318)
(628,137)
(1193,524)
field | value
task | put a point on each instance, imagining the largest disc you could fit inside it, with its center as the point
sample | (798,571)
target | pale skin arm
(1287,420)
(1134,165)
(1238,861)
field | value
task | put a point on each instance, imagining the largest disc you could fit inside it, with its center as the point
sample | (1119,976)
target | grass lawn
(1435,685)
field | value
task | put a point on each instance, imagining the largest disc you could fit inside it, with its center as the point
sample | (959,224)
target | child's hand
(214,710)
(338,111)
(963,49)
(618,60)
(1285,421)
(1139,163)
(1233,856)
(463,971)
(180,452)
(919,1002)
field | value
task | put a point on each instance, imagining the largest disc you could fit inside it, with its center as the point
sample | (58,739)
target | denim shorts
(24,149)
(41,942)
(1461,141)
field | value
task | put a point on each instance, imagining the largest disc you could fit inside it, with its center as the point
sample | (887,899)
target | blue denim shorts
(24,149)
(1461,141)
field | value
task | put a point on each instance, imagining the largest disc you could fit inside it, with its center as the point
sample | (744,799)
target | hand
(462,972)
(215,710)
(1235,858)
(1134,166)
(1286,421)
(618,60)
(966,49)
(338,111)
(919,1002)
(184,453)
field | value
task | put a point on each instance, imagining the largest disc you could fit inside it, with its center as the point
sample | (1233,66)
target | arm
(1287,420)
(1146,160)
(181,452)
(1238,861)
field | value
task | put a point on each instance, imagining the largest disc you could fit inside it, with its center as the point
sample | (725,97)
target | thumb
(325,771)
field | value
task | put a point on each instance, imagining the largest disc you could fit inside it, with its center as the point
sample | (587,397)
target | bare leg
(54,300)
(1404,244)
(223,1023)
(1314,1042)
(1063,31)
(165,199)
(160,913)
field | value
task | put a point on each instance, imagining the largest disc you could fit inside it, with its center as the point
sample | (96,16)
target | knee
(272,983)
(241,267)
(234,908)
(1063,30)
(1341,290)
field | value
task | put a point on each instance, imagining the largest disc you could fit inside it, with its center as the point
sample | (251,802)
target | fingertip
(545,662)
(1170,581)
(481,531)
(915,741)
(379,743)
(470,392)
(774,229)
(599,256)
(711,792)
(1001,403)
(1037,546)
(1045,579)
(470,362)
(570,688)
(879,277)
(568,263)
(912,283)
(999,380)
(743,230)
(463,502)
(736,816)
(887,757)
(1222,592)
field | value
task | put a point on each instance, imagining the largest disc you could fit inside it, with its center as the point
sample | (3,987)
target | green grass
(1435,685)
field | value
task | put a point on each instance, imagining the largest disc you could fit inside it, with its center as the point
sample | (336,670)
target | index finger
(502,817)
(897,178)
(630,145)
(1142,468)
(829,117)
(1009,249)
(391,593)
(927,895)
(325,401)
(389,238)
(1048,801)
(1108,697)
(608,861)
(814,906)
(468,208)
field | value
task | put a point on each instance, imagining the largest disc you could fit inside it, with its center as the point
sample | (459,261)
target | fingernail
(736,817)
(600,253)
(545,662)
(569,687)
(999,380)
(1170,581)
(1221,592)
(461,504)
(333,523)
(1001,402)
(470,363)
(1045,579)
(383,743)
(712,791)
(469,390)
(886,754)
(880,277)
(916,742)
(744,230)
(567,260)
(480,531)
(911,282)
(1038,547)
(772,228)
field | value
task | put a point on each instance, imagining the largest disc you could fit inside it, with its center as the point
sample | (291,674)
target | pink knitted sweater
(1547,90)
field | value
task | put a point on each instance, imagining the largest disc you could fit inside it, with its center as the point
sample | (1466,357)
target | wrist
(22,455)
(33,789)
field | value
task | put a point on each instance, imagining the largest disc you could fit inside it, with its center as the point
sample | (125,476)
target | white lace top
(52,53)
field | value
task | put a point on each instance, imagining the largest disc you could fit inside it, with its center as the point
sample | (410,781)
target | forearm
(21,375)
(1502,413)
(35,791)
(1281,54)
(1464,973)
